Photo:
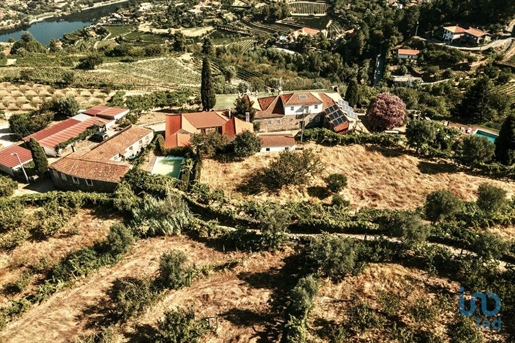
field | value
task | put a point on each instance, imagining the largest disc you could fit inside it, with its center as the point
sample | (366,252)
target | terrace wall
(289,122)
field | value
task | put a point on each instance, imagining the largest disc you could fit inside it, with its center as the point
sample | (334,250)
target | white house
(471,34)
(408,54)
(450,33)
(277,142)
(109,114)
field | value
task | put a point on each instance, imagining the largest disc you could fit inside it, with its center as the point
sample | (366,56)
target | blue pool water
(490,136)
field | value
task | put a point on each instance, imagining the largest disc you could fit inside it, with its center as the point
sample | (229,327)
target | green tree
(442,205)
(274,224)
(352,93)
(179,326)
(38,156)
(124,197)
(292,168)
(64,107)
(179,41)
(336,182)
(130,296)
(207,90)
(489,246)
(246,144)
(209,144)
(242,106)
(386,112)
(481,102)
(90,62)
(410,228)
(420,133)
(172,272)
(207,46)
(7,186)
(229,72)
(24,124)
(491,199)
(505,143)
(475,150)
(120,239)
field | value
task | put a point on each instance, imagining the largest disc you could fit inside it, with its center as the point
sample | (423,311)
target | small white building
(108,114)
(277,142)
(11,157)
(408,54)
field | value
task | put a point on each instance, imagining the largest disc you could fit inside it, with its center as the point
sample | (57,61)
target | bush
(90,62)
(172,272)
(124,198)
(130,296)
(246,144)
(338,200)
(179,326)
(11,214)
(336,182)
(491,199)
(442,205)
(7,186)
(120,239)
(292,168)
(475,150)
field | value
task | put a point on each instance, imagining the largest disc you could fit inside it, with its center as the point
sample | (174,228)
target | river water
(50,28)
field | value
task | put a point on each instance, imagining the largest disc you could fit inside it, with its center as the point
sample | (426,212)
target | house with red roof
(61,132)
(13,158)
(101,168)
(290,111)
(472,35)
(408,54)
(109,114)
(277,142)
(180,127)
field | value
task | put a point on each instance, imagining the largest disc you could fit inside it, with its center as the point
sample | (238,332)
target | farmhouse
(470,35)
(293,111)
(61,132)
(108,114)
(407,54)
(277,142)
(101,168)
(180,127)
(13,157)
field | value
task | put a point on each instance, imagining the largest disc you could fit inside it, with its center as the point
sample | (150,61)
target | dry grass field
(377,177)
(72,313)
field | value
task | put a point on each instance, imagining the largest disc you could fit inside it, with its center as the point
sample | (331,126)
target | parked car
(99,136)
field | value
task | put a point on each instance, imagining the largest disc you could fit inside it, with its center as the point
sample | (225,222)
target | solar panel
(333,116)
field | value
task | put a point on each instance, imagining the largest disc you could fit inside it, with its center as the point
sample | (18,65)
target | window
(63,177)
(303,97)
(147,139)
(316,107)
(140,141)
(292,108)
(89,182)
(278,121)
(267,149)
(75,180)
(269,122)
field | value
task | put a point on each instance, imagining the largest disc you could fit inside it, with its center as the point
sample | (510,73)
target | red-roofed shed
(9,162)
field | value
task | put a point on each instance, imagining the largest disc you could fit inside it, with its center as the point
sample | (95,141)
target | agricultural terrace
(306,8)
(27,97)
(508,88)
(376,178)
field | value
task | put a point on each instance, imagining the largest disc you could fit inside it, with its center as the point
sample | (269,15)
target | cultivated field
(376,177)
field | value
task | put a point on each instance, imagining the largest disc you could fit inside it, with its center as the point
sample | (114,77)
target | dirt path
(60,319)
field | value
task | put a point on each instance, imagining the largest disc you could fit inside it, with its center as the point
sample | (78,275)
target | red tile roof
(301,99)
(272,141)
(264,103)
(476,32)
(309,31)
(10,161)
(455,29)
(327,101)
(60,132)
(106,112)
(89,169)
(272,107)
(408,52)
(204,120)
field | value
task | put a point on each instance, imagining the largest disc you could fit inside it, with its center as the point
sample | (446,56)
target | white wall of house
(50,151)
(448,35)
(278,148)
(299,109)
(408,57)
(136,147)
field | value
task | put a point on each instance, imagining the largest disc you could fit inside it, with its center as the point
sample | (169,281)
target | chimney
(247,117)
(229,113)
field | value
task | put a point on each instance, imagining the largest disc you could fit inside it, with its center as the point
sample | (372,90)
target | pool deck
(468,129)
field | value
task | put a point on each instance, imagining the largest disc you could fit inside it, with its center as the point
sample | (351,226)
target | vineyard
(168,71)
(243,45)
(508,88)
(305,8)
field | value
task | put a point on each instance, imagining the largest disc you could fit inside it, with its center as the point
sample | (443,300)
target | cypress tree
(352,93)
(505,143)
(207,90)
(38,156)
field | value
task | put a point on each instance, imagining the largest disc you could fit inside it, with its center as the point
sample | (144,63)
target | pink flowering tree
(386,112)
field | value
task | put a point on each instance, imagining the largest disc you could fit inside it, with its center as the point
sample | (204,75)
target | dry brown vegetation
(377,177)
(73,312)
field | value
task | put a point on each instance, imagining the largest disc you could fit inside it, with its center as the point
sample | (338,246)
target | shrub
(14,238)
(7,186)
(130,296)
(179,326)
(120,239)
(90,62)
(338,200)
(491,199)
(475,150)
(336,182)
(463,330)
(246,144)
(11,214)
(124,198)
(172,272)
(292,168)
(274,223)
(411,229)
(442,205)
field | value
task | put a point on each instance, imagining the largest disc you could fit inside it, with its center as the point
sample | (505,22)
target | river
(50,28)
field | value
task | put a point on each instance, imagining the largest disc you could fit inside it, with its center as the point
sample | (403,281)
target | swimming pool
(169,165)
(490,136)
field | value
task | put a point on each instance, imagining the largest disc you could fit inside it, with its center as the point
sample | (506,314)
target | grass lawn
(117,30)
